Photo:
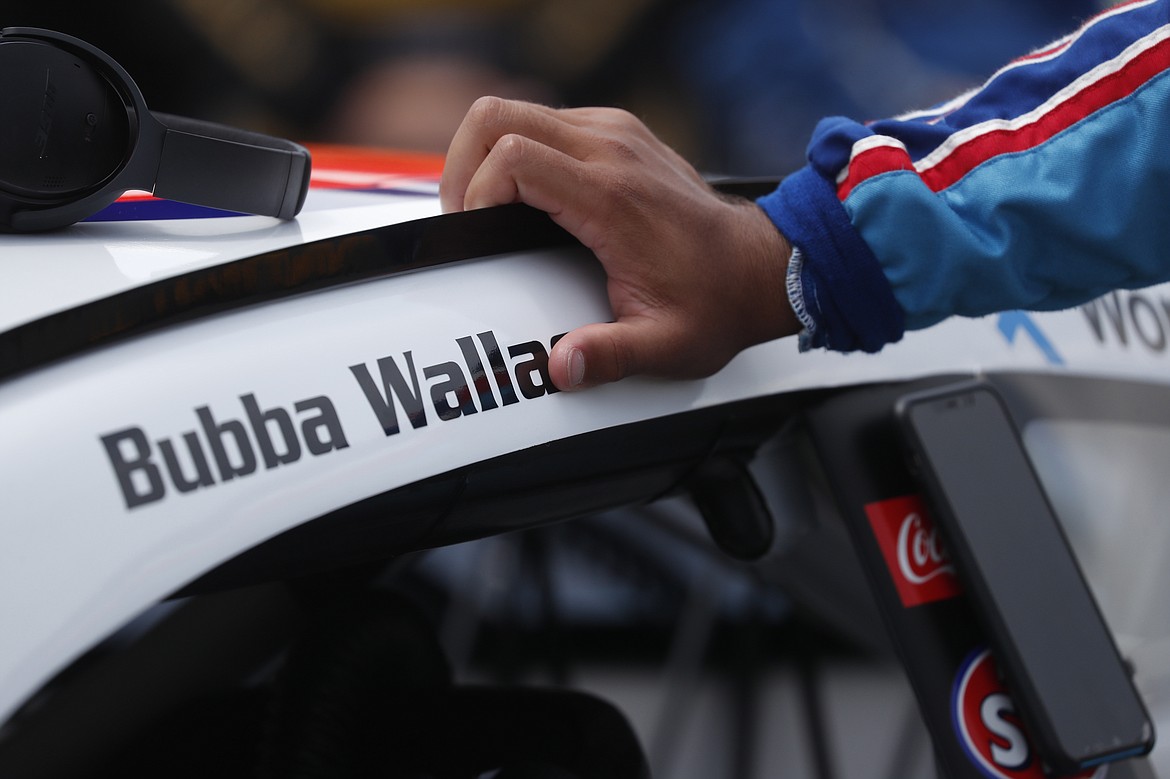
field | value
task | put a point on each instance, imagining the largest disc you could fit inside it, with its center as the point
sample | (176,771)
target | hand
(694,277)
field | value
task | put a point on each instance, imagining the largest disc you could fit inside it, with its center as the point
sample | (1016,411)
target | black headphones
(75,133)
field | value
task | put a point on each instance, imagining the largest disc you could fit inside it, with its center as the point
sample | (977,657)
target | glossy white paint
(46,273)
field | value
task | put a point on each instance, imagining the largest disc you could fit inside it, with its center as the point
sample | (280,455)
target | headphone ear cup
(65,129)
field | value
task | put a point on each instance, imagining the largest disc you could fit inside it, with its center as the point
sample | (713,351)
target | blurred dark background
(735,85)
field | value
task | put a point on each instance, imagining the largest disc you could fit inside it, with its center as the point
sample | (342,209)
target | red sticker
(988,726)
(914,553)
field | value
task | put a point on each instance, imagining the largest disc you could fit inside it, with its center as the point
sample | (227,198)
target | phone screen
(1046,629)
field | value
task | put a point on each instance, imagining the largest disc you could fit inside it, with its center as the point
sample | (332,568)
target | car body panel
(95,526)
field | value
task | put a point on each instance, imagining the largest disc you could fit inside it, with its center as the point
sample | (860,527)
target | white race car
(222,434)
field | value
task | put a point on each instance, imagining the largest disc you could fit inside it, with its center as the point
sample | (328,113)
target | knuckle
(510,149)
(633,128)
(621,118)
(619,148)
(489,111)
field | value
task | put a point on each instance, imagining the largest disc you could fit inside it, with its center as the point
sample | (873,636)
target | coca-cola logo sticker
(914,553)
(988,726)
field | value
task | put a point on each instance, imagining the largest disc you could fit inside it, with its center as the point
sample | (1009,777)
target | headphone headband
(75,133)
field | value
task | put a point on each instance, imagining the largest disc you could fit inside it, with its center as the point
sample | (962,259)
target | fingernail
(576,367)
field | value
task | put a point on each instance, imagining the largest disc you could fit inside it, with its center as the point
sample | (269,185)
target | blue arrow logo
(1012,322)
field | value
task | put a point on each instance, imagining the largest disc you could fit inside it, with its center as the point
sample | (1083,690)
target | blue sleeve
(1046,187)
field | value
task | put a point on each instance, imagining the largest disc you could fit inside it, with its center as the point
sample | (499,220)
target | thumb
(598,354)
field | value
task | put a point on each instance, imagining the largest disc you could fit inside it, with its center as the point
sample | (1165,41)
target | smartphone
(1065,673)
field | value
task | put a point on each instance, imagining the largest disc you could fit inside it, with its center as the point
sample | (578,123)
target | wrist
(765,253)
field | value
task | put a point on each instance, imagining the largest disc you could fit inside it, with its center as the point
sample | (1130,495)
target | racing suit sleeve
(1047,186)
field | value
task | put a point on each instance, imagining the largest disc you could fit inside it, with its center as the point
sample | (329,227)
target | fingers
(519,169)
(581,134)
(579,196)
(486,123)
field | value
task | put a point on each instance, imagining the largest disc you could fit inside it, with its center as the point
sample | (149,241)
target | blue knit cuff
(847,302)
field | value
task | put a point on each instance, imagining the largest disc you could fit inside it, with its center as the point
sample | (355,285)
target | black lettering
(553,342)
(322,432)
(451,398)
(1092,312)
(532,374)
(218,435)
(260,421)
(393,386)
(499,369)
(479,379)
(137,476)
(1111,305)
(1153,334)
(203,477)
